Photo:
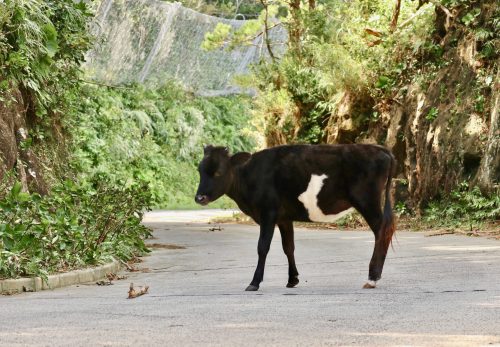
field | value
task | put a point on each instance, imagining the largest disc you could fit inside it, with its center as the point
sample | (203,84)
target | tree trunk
(489,171)
(295,28)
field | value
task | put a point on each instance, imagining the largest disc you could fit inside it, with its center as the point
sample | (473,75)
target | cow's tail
(388,226)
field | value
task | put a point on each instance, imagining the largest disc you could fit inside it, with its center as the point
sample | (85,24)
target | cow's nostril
(200,198)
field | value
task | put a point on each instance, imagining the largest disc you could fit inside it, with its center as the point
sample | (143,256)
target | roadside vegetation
(51,219)
(464,208)
(74,226)
(90,160)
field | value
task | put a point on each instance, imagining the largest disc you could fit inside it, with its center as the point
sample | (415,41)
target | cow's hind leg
(374,217)
(381,222)
(287,240)
(379,252)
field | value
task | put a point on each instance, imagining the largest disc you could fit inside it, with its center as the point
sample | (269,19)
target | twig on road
(133,293)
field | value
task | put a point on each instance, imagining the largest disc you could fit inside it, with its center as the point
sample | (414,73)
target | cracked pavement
(435,291)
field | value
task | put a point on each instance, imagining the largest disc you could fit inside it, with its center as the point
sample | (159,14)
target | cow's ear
(207,149)
(240,158)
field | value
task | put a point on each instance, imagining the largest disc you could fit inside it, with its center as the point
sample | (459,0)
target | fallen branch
(133,293)
(111,276)
(129,268)
(440,233)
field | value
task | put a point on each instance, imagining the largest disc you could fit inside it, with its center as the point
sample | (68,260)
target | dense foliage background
(155,137)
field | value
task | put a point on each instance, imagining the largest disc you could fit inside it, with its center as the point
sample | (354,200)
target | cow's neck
(236,190)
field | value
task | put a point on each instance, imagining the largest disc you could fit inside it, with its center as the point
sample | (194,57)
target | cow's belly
(309,199)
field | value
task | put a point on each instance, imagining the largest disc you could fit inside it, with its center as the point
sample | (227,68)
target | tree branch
(266,29)
(103,84)
(395,16)
(409,20)
(447,12)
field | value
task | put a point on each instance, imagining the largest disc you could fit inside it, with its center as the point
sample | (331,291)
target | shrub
(463,207)
(72,227)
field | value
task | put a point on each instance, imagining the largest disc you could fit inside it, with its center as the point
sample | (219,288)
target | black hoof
(292,282)
(252,288)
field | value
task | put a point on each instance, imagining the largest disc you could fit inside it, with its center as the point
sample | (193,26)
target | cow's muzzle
(201,199)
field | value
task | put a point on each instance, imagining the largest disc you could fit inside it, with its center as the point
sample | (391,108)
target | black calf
(317,183)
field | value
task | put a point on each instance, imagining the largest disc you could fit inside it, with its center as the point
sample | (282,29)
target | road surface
(435,291)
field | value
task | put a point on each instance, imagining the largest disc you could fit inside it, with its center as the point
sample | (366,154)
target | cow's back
(292,176)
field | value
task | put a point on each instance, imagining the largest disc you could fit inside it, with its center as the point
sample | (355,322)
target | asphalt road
(435,291)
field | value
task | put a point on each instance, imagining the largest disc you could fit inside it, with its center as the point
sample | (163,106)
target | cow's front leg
(267,225)
(286,229)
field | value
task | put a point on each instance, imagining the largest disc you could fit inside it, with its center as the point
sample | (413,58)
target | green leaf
(382,82)
(469,18)
(51,43)
(16,189)
(8,242)
(433,113)
(23,197)
(215,39)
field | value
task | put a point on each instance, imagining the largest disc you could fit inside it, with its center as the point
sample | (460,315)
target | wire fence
(152,42)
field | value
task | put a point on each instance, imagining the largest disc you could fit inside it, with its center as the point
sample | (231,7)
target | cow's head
(216,173)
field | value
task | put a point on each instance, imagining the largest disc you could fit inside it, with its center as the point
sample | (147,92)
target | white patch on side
(309,199)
